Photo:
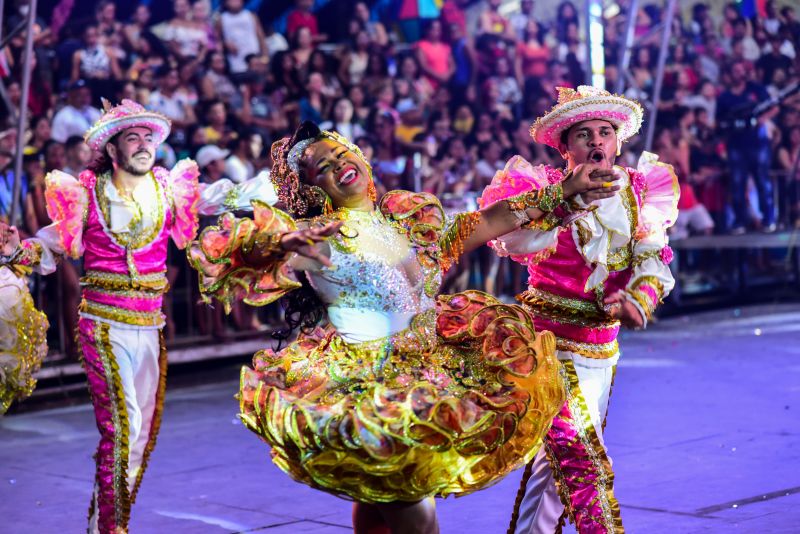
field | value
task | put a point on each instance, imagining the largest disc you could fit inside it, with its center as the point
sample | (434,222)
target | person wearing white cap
(118,215)
(211,160)
(592,265)
(209,154)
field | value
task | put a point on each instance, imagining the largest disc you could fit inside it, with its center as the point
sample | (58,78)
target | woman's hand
(592,181)
(9,239)
(304,242)
(618,307)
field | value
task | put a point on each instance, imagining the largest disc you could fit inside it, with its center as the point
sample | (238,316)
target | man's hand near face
(593,181)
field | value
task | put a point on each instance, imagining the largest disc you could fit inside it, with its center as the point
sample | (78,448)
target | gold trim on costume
(155,424)
(121,315)
(119,415)
(138,236)
(598,351)
(597,453)
(565,309)
(150,282)
(452,242)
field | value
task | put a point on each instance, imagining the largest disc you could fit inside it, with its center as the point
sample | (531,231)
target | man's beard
(133,166)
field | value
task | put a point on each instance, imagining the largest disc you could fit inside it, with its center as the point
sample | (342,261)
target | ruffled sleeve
(67,204)
(529,244)
(184,190)
(219,256)
(225,195)
(656,186)
(421,215)
(67,201)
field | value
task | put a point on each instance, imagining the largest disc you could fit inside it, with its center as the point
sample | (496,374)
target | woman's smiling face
(337,171)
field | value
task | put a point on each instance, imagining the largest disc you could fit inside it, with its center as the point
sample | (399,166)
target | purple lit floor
(704,431)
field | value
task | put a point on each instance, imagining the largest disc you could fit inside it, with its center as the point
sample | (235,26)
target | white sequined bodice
(376,268)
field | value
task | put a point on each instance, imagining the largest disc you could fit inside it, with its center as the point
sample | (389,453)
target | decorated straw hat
(126,114)
(587,103)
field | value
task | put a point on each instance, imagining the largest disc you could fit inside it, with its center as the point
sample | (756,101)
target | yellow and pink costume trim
(588,253)
(454,395)
(23,338)
(112,501)
(581,465)
(123,286)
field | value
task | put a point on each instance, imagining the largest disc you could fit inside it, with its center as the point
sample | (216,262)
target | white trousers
(541,507)
(124,369)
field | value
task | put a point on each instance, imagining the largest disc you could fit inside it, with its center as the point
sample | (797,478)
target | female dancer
(23,337)
(404,394)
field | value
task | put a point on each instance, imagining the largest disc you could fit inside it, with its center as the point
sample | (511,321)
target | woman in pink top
(532,54)
(434,55)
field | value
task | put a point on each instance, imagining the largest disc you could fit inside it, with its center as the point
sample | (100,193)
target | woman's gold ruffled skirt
(23,340)
(448,406)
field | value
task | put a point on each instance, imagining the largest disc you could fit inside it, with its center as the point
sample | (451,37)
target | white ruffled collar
(608,227)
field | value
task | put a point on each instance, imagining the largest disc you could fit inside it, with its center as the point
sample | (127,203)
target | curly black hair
(303,309)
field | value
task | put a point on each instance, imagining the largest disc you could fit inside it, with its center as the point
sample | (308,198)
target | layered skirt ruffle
(448,406)
(23,340)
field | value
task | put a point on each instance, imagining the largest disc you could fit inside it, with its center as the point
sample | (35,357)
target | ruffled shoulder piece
(518,176)
(658,193)
(421,215)
(224,274)
(67,200)
(184,188)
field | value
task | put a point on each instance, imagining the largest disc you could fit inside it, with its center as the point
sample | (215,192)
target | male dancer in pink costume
(591,268)
(118,215)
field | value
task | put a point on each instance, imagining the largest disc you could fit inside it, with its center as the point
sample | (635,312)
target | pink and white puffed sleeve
(224,195)
(184,189)
(656,187)
(67,200)
(529,243)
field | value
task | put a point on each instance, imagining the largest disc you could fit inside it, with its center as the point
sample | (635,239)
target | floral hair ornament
(583,104)
(299,197)
(126,114)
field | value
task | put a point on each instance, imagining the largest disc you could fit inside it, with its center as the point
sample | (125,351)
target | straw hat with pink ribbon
(583,104)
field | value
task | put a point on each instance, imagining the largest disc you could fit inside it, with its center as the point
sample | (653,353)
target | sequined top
(375,267)
(377,282)
(387,263)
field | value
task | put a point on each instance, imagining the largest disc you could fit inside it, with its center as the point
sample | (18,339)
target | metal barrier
(181,305)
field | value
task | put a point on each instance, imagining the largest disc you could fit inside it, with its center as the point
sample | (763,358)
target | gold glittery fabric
(23,340)
(459,394)
(448,406)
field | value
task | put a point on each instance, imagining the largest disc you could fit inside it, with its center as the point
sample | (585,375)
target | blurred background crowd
(439,95)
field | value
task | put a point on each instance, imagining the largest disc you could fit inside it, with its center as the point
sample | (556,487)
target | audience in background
(441,113)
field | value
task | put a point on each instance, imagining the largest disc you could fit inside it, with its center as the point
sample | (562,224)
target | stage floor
(703,430)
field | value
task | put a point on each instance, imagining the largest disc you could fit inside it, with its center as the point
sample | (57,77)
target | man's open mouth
(597,156)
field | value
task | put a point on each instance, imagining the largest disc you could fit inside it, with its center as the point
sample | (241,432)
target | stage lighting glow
(594,16)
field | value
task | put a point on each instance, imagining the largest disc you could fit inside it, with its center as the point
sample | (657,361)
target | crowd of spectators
(437,98)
